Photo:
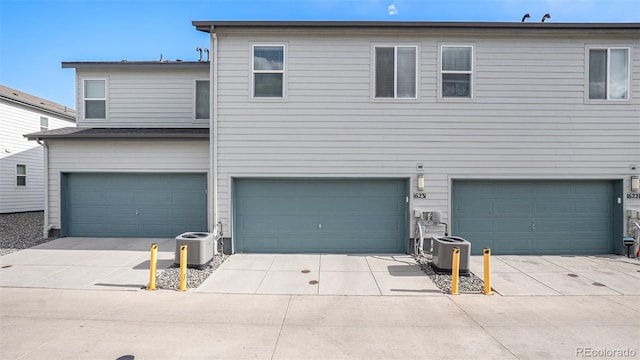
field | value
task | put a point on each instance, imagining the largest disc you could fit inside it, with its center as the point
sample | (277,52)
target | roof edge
(135,64)
(76,133)
(205,25)
(66,116)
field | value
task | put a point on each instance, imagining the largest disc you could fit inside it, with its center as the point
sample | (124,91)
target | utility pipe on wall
(46,226)
(213,132)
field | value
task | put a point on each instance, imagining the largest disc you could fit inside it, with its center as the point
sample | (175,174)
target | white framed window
(21,175)
(202,100)
(268,70)
(44,123)
(456,71)
(94,94)
(608,73)
(395,71)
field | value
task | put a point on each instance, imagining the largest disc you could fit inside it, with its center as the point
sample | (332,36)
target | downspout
(47,227)
(213,127)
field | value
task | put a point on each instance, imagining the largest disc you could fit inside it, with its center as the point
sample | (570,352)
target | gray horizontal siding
(146,98)
(528,118)
(16,121)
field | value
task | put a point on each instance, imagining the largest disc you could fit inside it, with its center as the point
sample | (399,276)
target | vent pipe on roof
(546,16)
(199,49)
(525,17)
(207,51)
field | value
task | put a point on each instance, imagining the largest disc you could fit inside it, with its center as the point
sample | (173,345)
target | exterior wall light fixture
(420,182)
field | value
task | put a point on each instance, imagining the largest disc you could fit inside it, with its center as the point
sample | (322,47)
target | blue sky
(36,35)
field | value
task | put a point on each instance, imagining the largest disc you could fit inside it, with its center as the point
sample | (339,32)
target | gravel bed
(170,278)
(21,231)
(466,284)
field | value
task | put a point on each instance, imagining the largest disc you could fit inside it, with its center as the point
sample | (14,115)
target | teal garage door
(334,216)
(133,205)
(535,217)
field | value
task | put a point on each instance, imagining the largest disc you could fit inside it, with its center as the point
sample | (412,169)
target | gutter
(213,132)
(47,227)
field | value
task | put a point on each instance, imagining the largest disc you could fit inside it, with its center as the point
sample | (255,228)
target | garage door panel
(565,216)
(590,244)
(188,196)
(120,182)
(555,245)
(134,205)
(480,191)
(560,190)
(87,197)
(188,214)
(318,215)
(513,244)
(513,208)
(514,190)
(591,207)
(155,197)
(554,226)
(512,226)
(474,206)
(119,198)
(552,208)
(475,225)
(595,225)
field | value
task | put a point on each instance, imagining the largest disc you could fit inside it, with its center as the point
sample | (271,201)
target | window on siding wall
(21,175)
(395,72)
(44,123)
(202,99)
(456,66)
(268,71)
(95,99)
(609,74)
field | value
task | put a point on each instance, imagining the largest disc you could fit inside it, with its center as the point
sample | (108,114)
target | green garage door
(535,217)
(133,205)
(337,216)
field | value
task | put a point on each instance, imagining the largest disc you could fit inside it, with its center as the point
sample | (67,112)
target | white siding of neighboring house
(15,121)
(528,118)
(126,156)
(145,98)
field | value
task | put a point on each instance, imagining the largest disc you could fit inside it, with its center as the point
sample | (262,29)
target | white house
(325,136)
(22,161)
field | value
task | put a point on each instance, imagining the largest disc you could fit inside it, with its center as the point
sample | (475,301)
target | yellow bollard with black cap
(183,268)
(487,271)
(153,265)
(455,271)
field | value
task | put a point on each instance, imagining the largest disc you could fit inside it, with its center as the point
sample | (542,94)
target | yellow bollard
(153,264)
(487,271)
(455,271)
(183,268)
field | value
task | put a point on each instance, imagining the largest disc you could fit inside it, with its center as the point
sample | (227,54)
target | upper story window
(268,71)
(95,99)
(456,71)
(21,175)
(202,99)
(608,73)
(396,72)
(44,123)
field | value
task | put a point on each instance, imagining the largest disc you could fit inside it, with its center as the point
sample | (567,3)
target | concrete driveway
(320,274)
(85,263)
(561,275)
(52,307)
(123,264)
